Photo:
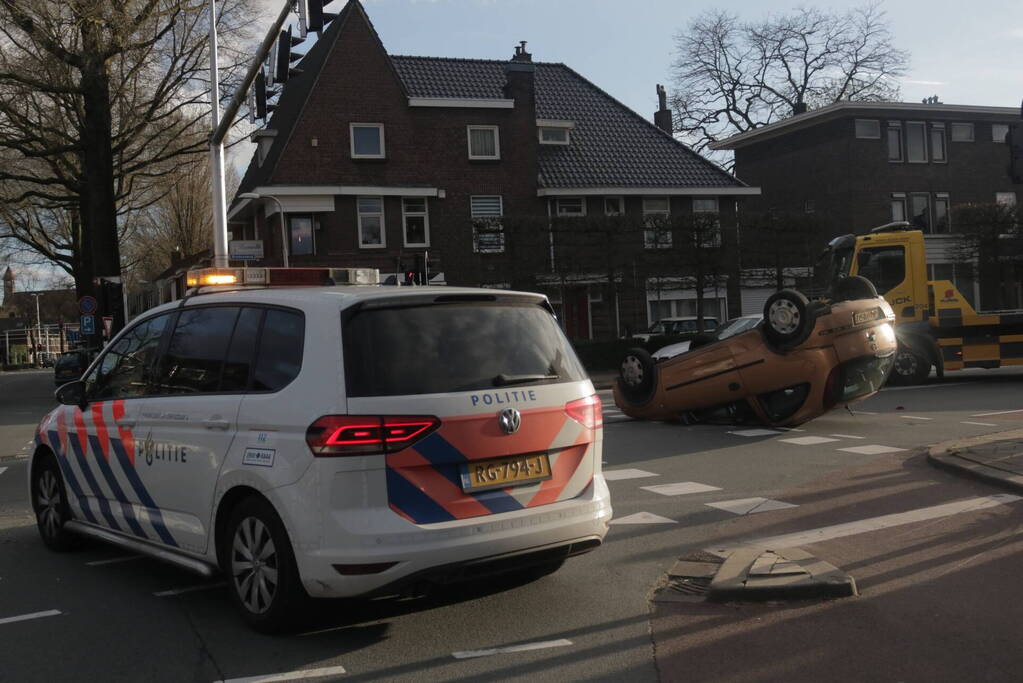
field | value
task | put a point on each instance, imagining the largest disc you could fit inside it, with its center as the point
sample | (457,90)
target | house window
(484,142)
(999,131)
(487,228)
(916,142)
(1005,198)
(614,206)
(571,206)
(371,222)
(942,217)
(898,207)
(367,140)
(962,132)
(708,205)
(416,221)
(868,129)
(657,232)
(894,142)
(938,142)
(920,211)
(554,136)
(300,229)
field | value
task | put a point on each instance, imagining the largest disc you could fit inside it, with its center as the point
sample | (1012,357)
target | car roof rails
(895,226)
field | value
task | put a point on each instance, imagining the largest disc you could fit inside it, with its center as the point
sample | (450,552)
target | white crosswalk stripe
(873,449)
(808,440)
(617,475)
(749,506)
(681,488)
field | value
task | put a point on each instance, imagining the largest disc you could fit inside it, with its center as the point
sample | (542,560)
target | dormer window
(367,140)
(554,132)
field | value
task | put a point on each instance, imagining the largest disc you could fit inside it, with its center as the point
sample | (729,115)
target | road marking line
(616,475)
(999,412)
(469,654)
(113,560)
(749,506)
(2,470)
(289,676)
(847,436)
(827,533)
(862,412)
(914,417)
(756,432)
(807,440)
(680,489)
(190,589)
(981,424)
(643,518)
(871,450)
(33,615)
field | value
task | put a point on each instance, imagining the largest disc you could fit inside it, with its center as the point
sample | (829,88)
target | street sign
(246,250)
(88,324)
(88,305)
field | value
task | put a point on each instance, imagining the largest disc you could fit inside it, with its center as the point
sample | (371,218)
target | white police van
(330,441)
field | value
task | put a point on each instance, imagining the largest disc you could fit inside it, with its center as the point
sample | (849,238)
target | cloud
(916,82)
(1016,33)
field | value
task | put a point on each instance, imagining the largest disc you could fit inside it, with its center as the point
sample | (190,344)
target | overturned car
(802,360)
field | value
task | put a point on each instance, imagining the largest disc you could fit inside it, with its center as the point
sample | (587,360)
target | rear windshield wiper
(503,380)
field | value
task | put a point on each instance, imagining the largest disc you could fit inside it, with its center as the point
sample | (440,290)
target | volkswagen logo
(510,420)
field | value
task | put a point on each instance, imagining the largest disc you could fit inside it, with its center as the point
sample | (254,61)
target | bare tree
(731,76)
(98,98)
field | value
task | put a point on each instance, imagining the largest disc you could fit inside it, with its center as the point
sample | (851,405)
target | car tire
(636,376)
(910,367)
(50,504)
(854,288)
(260,565)
(787,319)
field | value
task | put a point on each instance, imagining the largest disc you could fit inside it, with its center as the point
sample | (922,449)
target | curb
(951,457)
(794,574)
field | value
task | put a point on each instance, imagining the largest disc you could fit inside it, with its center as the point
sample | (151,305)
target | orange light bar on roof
(205,277)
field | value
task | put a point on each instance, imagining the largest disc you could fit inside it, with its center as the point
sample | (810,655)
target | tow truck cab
(935,325)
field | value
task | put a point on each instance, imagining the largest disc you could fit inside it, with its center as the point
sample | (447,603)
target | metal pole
(39,332)
(220,259)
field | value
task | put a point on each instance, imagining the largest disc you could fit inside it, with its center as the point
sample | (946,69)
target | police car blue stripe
(69,476)
(126,509)
(83,464)
(155,518)
(445,458)
(413,502)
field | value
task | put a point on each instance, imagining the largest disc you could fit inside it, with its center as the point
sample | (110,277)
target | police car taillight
(342,435)
(586,411)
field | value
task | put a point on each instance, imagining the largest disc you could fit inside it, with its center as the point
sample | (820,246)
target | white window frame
(497,143)
(351,140)
(425,213)
(926,142)
(566,214)
(567,132)
(621,205)
(716,242)
(896,126)
(900,199)
(994,136)
(962,125)
(383,222)
(650,236)
(938,128)
(941,197)
(930,211)
(856,129)
(497,249)
(291,235)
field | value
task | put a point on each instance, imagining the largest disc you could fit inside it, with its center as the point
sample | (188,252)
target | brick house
(508,173)
(857,165)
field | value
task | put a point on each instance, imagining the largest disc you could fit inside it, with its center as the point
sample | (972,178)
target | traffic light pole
(222,124)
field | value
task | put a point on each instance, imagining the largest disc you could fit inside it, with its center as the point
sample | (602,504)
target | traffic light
(1014,141)
(281,57)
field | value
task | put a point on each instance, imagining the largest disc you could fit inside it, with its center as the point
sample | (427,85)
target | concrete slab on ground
(994,458)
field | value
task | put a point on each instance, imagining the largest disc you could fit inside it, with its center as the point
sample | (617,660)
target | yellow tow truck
(935,325)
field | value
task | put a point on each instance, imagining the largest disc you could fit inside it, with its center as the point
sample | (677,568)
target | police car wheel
(261,567)
(49,501)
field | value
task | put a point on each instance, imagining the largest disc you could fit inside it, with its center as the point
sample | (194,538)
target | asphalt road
(939,593)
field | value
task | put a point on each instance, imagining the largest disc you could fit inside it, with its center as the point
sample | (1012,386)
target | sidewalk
(994,458)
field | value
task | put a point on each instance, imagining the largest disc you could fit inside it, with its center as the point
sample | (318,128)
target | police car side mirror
(72,394)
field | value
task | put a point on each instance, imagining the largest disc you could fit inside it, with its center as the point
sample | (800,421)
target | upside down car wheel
(636,375)
(787,319)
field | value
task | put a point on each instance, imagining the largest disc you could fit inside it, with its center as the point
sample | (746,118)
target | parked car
(727,329)
(69,366)
(289,439)
(682,325)
(803,360)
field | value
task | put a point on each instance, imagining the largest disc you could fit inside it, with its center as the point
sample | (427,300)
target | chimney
(662,117)
(520,53)
(519,84)
(799,108)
